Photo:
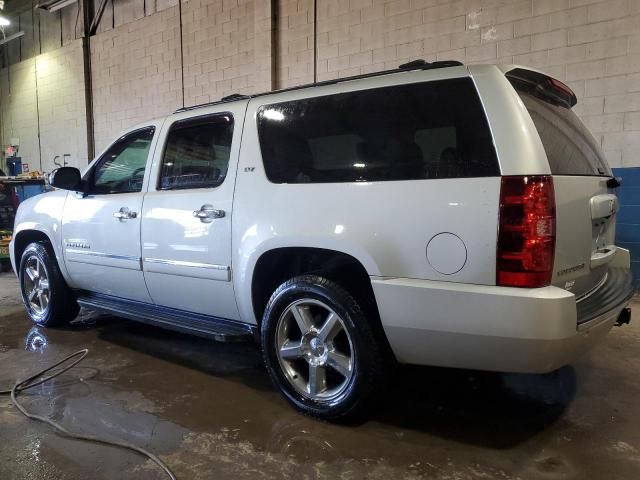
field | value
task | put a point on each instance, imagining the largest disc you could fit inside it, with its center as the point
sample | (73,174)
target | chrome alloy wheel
(314,350)
(35,284)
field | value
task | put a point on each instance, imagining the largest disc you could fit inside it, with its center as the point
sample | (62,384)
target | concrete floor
(209,410)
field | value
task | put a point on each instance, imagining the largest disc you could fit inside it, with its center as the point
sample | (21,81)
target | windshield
(570,147)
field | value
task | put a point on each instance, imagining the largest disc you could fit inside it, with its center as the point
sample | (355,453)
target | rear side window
(570,147)
(409,132)
(197,153)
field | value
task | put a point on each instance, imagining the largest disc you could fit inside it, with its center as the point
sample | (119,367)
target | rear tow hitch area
(624,318)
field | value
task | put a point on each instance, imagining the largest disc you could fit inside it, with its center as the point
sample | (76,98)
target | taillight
(527,232)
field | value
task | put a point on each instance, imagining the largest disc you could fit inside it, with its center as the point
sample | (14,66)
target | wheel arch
(60,306)
(277,265)
(26,236)
(23,238)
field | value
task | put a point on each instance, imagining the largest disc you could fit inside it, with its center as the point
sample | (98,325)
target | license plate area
(603,215)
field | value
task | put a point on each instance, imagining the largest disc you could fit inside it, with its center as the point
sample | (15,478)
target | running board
(207,326)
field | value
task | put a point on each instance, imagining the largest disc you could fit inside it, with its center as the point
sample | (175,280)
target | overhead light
(11,37)
(55,6)
(4,21)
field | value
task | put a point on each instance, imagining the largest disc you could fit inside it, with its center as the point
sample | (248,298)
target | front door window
(121,168)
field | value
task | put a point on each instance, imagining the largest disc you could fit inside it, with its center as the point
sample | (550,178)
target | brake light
(558,85)
(526,236)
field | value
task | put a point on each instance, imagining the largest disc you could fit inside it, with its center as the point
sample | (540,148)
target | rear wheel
(45,294)
(320,349)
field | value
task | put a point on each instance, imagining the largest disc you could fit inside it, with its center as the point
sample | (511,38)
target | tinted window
(197,153)
(570,147)
(409,132)
(121,169)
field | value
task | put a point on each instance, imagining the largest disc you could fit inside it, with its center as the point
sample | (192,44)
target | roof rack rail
(234,96)
(413,65)
(419,64)
(423,64)
(228,98)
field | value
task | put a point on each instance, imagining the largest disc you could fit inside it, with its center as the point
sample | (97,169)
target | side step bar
(219,329)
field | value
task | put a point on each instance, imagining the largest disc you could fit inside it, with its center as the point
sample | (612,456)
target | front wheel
(45,294)
(320,349)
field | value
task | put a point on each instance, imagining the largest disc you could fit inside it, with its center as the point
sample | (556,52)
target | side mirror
(66,178)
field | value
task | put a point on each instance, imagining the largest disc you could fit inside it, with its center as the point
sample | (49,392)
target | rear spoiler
(542,86)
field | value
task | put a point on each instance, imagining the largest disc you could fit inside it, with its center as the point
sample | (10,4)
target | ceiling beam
(11,37)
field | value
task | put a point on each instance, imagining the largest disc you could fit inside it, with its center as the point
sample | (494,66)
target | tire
(48,304)
(311,372)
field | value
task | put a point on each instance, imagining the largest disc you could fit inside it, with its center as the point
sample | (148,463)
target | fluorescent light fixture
(4,21)
(11,37)
(55,6)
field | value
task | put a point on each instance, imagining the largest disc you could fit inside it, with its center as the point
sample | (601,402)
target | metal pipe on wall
(181,52)
(88,17)
(315,41)
(274,44)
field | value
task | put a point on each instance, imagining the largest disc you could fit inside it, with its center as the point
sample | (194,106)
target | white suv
(437,214)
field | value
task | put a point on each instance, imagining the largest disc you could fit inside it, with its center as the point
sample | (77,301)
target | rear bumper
(487,327)
(617,289)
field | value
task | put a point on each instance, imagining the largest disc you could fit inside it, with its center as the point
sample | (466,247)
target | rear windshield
(570,147)
(410,132)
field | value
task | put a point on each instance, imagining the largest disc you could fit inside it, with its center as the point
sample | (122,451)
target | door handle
(208,214)
(125,214)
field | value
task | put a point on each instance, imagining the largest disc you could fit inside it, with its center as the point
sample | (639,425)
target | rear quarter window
(570,147)
(418,131)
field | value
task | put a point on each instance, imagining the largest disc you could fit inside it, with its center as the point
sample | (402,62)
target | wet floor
(209,411)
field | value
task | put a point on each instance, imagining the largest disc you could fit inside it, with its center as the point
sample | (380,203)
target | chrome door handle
(208,214)
(125,214)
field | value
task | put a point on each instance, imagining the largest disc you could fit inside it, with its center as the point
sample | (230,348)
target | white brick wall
(18,107)
(60,102)
(219,49)
(135,74)
(137,71)
(593,45)
(295,43)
